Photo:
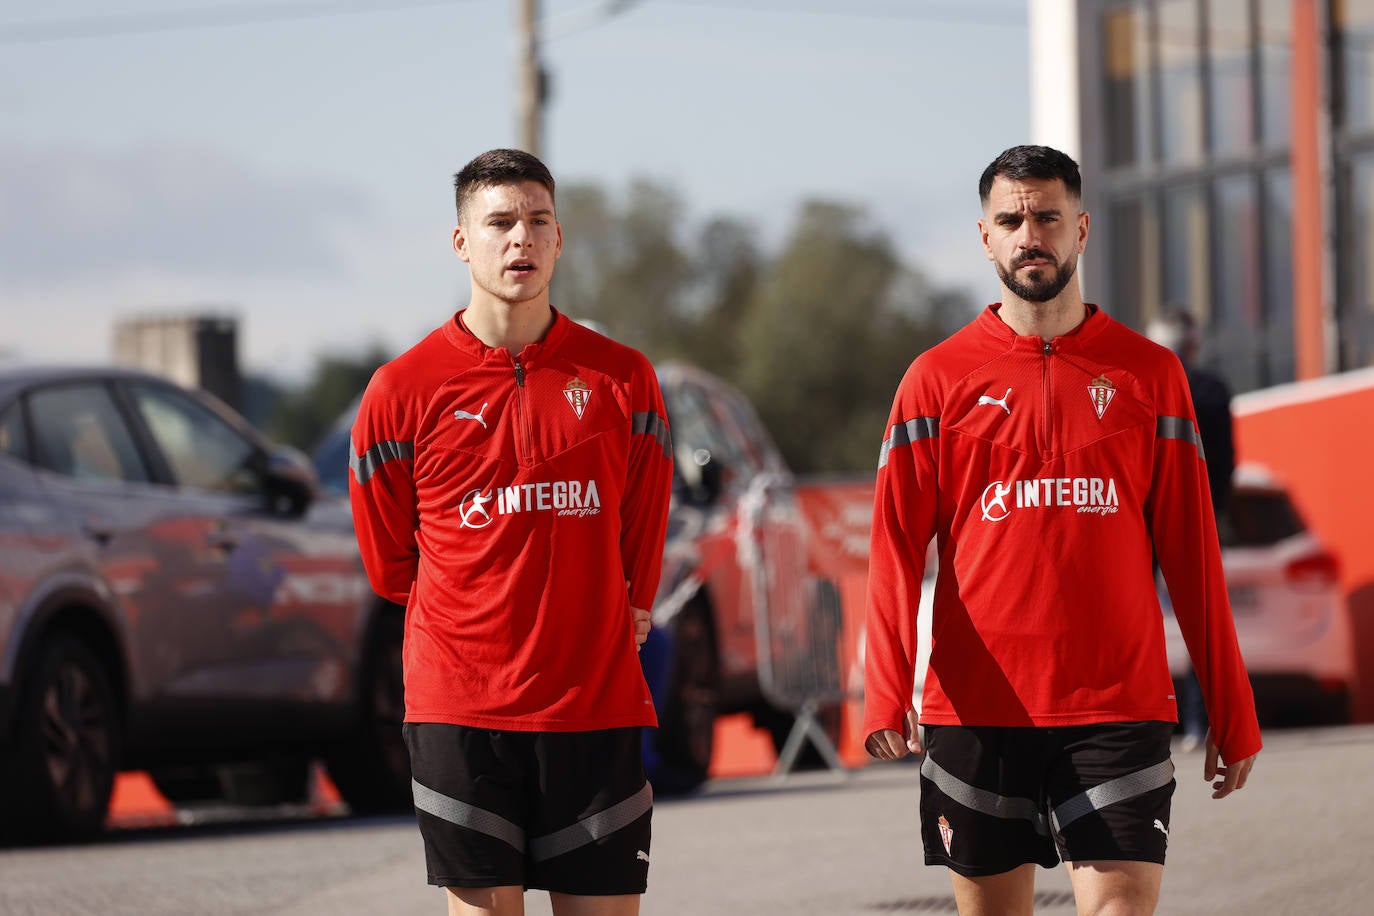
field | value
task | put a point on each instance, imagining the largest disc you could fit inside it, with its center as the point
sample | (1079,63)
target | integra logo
(1091,495)
(575,498)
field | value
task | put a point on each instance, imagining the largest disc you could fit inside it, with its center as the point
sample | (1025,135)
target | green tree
(302,415)
(831,330)
(729,268)
(623,266)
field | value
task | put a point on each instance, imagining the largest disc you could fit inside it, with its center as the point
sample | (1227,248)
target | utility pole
(530,78)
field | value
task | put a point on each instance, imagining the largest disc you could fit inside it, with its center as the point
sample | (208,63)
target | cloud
(71,216)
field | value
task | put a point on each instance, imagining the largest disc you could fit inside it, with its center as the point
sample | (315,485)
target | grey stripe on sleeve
(365,465)
(1179,428)
(651,424)
(907,433)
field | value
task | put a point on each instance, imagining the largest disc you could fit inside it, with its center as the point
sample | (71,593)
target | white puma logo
(998,402)
(464,415)
(1159,825)
(642,856)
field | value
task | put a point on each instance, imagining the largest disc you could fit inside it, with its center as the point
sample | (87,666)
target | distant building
(1227,148)
(197,350)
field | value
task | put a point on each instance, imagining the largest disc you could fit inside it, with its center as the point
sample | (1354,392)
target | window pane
(1233,335)
(1131,271)
(697,438)
(1356,318)
(1353,21)
(80,434)
(1278,275)
(1185,245)
(13,438)
(203,451)
(1276,52)
(1126,95)
(1180,82)
(1232,104)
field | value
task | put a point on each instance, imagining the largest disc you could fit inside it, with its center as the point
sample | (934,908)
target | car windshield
(1258,518)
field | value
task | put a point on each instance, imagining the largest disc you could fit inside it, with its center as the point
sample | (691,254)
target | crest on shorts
(946,833)
(578,394)
(1101,390)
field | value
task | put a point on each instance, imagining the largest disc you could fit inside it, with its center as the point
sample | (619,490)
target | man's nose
(1028,236)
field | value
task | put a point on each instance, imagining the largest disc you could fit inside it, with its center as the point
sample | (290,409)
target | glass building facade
(1187,114)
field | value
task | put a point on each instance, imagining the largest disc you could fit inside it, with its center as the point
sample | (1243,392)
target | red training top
(517,505)
(1048,472)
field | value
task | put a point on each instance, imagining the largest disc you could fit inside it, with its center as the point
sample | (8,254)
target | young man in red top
(1049,450)
(510,487)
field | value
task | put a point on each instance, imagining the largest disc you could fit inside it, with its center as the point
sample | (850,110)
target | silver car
(1291,617)
(176,597)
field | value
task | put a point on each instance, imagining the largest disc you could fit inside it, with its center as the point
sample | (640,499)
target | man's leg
(575,905)
(486,901)
(1115,888)
(1012,893)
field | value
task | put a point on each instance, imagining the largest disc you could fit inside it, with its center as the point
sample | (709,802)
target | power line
(120,24)
(115,25)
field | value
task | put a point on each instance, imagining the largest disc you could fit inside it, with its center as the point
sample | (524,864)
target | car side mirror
(289,481)
(703,477)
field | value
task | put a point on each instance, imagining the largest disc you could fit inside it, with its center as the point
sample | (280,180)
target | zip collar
(457,334)
(1075,341)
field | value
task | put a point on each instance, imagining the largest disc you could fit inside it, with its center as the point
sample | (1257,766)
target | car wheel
(686,733)
(371,769)
(59,773)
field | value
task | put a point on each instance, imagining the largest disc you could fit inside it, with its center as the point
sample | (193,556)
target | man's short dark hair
(1021,162)
(498,167)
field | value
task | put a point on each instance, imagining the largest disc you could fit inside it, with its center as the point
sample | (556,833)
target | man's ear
(983,237)
(460,242)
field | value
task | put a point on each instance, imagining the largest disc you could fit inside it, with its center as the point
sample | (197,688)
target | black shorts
(561,811)
(993,799)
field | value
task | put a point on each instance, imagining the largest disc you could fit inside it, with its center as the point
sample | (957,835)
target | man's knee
(1116,888)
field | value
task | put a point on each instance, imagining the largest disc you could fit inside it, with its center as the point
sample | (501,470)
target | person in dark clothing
(1175,328)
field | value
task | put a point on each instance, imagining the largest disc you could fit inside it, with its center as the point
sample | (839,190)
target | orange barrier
(1317,438)
(136,801)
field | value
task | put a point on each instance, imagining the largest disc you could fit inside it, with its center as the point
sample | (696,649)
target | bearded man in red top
(1051,452)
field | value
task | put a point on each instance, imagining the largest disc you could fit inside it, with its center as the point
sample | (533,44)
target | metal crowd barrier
(797,619)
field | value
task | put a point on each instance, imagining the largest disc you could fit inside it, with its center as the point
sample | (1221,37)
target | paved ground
(1297,840)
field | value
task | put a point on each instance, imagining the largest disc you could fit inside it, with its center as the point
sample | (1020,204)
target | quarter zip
(524,448)
(1046,393)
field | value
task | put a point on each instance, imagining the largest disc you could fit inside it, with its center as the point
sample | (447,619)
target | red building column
(1309,300)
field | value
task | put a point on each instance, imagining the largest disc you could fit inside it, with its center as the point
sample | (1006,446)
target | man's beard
(1043,289)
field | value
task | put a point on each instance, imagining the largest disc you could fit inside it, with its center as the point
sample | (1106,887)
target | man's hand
(887,744)
(1233,775)
(641,624)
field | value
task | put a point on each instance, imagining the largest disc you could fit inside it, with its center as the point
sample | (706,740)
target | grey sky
(296,171)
